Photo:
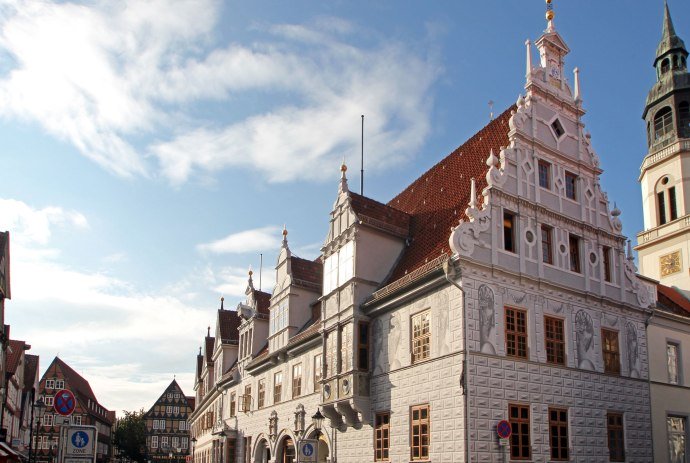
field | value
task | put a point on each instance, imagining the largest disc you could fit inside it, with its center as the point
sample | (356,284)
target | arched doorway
(286,451)
(262,453)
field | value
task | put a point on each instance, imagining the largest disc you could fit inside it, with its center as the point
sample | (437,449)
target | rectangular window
(176,410)
(662,207)
(421,336)
(168,409)
(296,380)
(574,248)
(317,372)
(363,346)
(185,442)
(520,447)
(50,384)
(614,430)
(164,441)
(154,442)
(77,420)
(346,263)
(547,244)
(509,231)
(571,186)
(545,175)
(555,340)
(277,387)
(673,363)
(558,434)
(175,442)
(419,427)
(673,208)
(59,384)
(247,398)
(382,436)
(48,401)
(261,400)
(232,404)
(610,351)
(516,333)
(48,419)
(676,439)
(607,263)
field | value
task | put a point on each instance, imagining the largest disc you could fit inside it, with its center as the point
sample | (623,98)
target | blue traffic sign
(80,439)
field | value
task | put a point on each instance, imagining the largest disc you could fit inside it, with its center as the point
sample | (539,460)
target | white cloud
(256,240)
(108,75)
(33,226)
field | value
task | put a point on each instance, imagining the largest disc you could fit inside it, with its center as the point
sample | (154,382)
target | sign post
(65,402)
(308,451)
(503,430)
(80,444)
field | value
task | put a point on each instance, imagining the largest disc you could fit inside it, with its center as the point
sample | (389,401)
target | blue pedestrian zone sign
(308,450)
(80,439)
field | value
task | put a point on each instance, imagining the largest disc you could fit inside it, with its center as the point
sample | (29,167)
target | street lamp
(38,409)
(193,447)
(317,420)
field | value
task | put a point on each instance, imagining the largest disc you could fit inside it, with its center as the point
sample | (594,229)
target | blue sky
(152,150)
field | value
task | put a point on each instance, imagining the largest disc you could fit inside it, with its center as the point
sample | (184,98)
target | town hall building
(496,287)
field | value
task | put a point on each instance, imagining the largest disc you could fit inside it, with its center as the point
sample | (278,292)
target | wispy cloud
(258,239)
(98,314)
(107,75)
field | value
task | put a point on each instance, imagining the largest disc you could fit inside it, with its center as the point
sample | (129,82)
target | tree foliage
(130,436)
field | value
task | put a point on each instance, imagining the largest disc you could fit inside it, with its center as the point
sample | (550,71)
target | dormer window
(558,129)
(279,318)
(338,268)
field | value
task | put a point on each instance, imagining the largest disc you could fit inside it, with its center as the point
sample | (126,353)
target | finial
(528,71)
(492,160)
(550,14)
(630,254)
(285,232)
(473,194)
(208,332)
(491,110)
(615,212)
(520,101)
(222,299)
(199,350)
(576,71)
(343,178)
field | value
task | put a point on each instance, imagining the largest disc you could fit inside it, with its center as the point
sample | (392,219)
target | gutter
(450,272)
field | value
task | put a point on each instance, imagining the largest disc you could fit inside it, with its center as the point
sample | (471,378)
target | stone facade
(497,286)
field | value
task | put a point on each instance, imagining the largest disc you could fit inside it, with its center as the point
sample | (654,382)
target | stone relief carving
(395,332)
(487,320)
(610,320)
(584,339)
(466,235)
(633,350)
(556,307)
(636,286)
(379,336)
(518,297)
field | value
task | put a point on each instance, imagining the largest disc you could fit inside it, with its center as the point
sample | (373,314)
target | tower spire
(669,40)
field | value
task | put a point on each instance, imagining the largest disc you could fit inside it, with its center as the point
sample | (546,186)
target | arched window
(665,66)
(663,122)
(675,61)
(666,205)
(649,134)
(682,62)
(684,117)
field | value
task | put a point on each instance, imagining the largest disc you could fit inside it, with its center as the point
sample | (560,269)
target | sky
(150,152)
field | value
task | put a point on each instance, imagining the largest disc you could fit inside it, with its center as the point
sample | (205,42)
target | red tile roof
(228,321)
(670,298)
(307,270)
(436,201)
(76,382)
(381,214)
(210,342)
(30,370)
(14,355)
(263,301)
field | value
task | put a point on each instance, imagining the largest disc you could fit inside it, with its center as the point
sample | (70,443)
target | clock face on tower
(670,263)
(555,72)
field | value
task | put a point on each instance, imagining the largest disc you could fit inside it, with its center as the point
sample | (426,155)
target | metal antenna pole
(361,183)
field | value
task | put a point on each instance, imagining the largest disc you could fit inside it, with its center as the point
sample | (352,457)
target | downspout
(450,272)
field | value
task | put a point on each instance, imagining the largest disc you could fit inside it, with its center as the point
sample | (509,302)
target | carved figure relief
(487,320)
(394,330)
(633,350)
(584,339)
(378,346)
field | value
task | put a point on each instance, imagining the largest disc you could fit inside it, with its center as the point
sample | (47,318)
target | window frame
(570,184)
(318,372)
(363,346)
(683,434)
(544,167)
(277,387)
(296,380)
(514,335)
(261,394)
(552,343)
(677,363)
(233,406)
(421,337)
(509,231)
(615,433)
(382,436)
(524,452)
(416,431)
(611,356)
(546,244)
(574,250)
(561,452)
(607,261)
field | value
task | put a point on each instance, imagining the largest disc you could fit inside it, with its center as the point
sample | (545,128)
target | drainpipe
(450,272)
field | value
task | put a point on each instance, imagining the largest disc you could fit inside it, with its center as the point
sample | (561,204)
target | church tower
(664,245)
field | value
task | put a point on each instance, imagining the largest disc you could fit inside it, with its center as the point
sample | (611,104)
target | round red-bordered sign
(64,402)
(503,429)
